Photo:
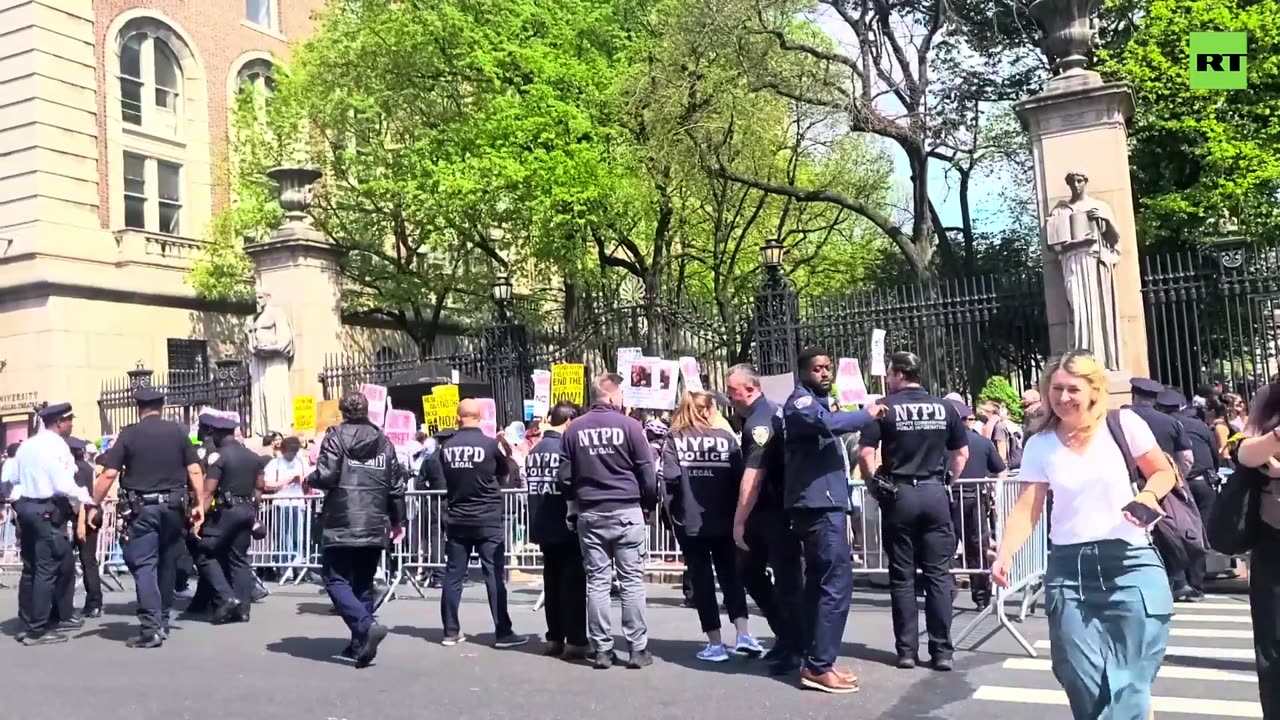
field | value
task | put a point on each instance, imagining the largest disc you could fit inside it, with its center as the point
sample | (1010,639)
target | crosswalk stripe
(1168,672)
(1237,606)
(1210,633)
(1195,652)
(1181,705)
(1199,618)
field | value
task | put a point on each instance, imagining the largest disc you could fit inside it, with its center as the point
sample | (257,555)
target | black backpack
(1232,528)
(1015,449)
(1179,535)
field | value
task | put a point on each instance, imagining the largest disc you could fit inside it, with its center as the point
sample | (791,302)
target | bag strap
(1117,434)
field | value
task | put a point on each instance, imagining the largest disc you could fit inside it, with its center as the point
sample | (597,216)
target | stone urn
(295,190)
(1067,28)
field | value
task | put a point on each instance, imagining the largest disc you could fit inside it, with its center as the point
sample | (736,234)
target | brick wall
(216,30)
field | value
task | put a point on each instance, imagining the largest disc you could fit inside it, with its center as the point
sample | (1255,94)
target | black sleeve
(642,458)
(328,464)
(753,455)
(502,465)
(113,458)
(871,434)
(669,473)
(564,473)
(214,472)
(189,454)
(395,495)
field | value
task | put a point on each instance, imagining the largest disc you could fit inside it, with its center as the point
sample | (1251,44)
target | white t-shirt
(1090,485)
(280,470)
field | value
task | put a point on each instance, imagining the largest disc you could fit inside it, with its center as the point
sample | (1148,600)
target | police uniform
(202,600)
(152,457)
(770,542)
(235,475)
(87,549)
(1169,433)
(970,505)
(816,494)
(917,435)
(44,482)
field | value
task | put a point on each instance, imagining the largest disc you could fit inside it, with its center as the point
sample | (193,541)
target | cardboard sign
(850,387)
(650,383)
(446,406)
(877,353)
(304,413)
(429,413)
(400,427)
(327,416)
(568,383)
(377,397)
(488,416)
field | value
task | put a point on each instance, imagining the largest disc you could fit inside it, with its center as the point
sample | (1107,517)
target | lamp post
(508,364)
(501,292)
(776,321)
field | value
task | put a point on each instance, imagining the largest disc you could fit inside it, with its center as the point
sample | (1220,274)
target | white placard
(877,353)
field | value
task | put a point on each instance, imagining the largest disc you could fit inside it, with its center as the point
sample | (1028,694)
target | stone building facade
(113,128)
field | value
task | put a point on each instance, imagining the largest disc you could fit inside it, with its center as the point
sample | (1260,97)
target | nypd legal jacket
(816,465)
(547,506)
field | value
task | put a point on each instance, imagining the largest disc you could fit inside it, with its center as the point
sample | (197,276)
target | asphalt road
(283,666)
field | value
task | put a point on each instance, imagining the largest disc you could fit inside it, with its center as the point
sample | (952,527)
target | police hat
(147,395)
(1171,397)
(1146,386)
(55,412)
(218,422)
(965,411)
(76,443)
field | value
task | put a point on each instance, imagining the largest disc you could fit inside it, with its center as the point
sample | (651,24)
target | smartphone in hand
(1142,513)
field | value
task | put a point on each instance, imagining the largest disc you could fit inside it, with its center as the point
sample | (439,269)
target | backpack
(1179,535)
(1232,527)
(1015,446)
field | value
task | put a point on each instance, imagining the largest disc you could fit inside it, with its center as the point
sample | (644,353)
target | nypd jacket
(762,450)
(472,469)
(547,506)
(699,477)
(363,483)
(606,463)
(817,467)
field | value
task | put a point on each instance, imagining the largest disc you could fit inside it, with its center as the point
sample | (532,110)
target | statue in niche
(1081,231)
(271,344)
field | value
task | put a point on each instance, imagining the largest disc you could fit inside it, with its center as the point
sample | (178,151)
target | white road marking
(1195,652)
(1179,705)
(1199,618)
(1210,633)
(1168,672)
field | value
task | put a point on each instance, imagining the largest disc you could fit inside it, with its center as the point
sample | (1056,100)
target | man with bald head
(472,470)
(607,471)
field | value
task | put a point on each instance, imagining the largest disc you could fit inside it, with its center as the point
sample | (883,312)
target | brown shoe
(575,652)
(848,676)
(828,682)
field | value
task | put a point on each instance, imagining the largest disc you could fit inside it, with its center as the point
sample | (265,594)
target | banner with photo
(651,383)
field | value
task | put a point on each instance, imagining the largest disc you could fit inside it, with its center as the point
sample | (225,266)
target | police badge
(803,402)
(760,434)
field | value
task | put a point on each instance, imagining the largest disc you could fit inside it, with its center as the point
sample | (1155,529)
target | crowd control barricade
(10,560)
(1026,570)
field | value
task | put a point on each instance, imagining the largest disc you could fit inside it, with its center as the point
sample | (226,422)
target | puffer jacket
(363,485)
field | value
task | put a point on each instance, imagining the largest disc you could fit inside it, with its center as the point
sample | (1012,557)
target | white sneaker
(714,653)
(748,645)
(451,640)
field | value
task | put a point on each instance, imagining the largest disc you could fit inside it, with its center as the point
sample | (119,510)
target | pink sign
(400,427)
(377,397)
(488,416)
(850,387)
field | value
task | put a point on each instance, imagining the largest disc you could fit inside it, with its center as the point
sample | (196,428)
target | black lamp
(502,289)
(771,253)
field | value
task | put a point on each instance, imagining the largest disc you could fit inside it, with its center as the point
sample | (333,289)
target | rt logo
(1219,60)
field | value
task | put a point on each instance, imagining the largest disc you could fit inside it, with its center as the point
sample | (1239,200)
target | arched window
(257,74)
(150,84)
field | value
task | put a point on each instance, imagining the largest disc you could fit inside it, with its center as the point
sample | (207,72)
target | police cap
(147,395)
(55,412)
(1172,398)
(76,443)
(1146,386)
(218,422)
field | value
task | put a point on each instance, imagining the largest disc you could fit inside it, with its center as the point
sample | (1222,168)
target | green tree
(1198,156)
(998,389)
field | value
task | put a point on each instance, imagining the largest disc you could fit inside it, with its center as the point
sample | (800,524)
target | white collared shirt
(45,469)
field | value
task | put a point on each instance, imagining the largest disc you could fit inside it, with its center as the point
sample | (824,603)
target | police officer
(234,483)
(88,523)
(1189,586)
(156,464)
(202,600)
(761,528)
(44,484)
(473,471)
(969,505)
(1170,435)
(816,493)
(921,438)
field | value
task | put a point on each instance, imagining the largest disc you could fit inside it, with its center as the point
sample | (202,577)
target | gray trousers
(619,539)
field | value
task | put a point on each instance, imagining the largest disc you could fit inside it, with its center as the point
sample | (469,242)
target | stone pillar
(298,267)
(1078,124)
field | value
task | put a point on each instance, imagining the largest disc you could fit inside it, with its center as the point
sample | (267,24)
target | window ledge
(148,134)
(264,30)
(153,248)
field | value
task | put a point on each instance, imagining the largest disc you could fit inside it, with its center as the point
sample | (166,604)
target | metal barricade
(10,560)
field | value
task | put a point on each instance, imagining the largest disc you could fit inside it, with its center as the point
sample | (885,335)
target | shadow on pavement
(112,631)
(306,648)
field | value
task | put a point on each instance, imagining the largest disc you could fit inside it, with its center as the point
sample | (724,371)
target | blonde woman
(700,471)
(1106,590)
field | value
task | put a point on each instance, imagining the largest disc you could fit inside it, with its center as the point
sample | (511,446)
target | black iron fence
(225,387)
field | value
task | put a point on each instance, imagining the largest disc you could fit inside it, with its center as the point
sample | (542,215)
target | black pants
(771,544)
(48,569)
(917,531)
(1264,606)
(87,549)
(709,558)
(565,584)
(224,555)
(348,578)
(489,544)
(969,522)
(151,553)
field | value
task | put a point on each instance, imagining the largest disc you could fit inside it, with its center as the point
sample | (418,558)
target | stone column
(1078,124)
(298,267)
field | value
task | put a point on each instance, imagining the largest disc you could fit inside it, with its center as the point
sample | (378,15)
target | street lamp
(771,253)
(502,290)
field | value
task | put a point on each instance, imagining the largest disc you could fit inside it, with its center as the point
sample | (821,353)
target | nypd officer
(234,481)
(816,494)
(921,438)
(1189,585)
(44,484)
(761,528)
(202,601)
(1170,435)
(156,463)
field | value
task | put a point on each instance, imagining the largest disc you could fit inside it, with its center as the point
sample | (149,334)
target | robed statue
(271,342)
(1082,233)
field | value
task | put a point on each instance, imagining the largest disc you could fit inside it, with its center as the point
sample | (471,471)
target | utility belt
(57,509)
(227,500)
(132,501)
(884,486)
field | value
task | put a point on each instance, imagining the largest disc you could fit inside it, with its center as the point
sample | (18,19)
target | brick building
(113,130)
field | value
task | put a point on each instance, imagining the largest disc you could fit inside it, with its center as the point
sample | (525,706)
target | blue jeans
(348,578)
(1109,609)
(828,583)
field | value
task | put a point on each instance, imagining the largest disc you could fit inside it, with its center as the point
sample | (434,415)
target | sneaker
(553,649)
(451,640)
(639,659)
(828,682)
(605,660)
(145,641)
(75,622)
(377,633)
(510,640)
(49,637)
(714,653)
(748,645)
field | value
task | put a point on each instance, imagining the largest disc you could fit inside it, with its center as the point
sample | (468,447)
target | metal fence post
(507,361)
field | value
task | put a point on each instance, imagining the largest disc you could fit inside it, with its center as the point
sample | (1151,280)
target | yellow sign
(446,406)
(326,415)
(304,413)
(567,383)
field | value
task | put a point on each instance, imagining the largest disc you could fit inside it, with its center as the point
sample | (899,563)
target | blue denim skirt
(1109,607)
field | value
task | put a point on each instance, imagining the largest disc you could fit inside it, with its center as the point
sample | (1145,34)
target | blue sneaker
(748,645)
(714,653)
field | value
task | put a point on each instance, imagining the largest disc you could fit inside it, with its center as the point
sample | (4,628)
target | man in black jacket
(473,470)
(364,487)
